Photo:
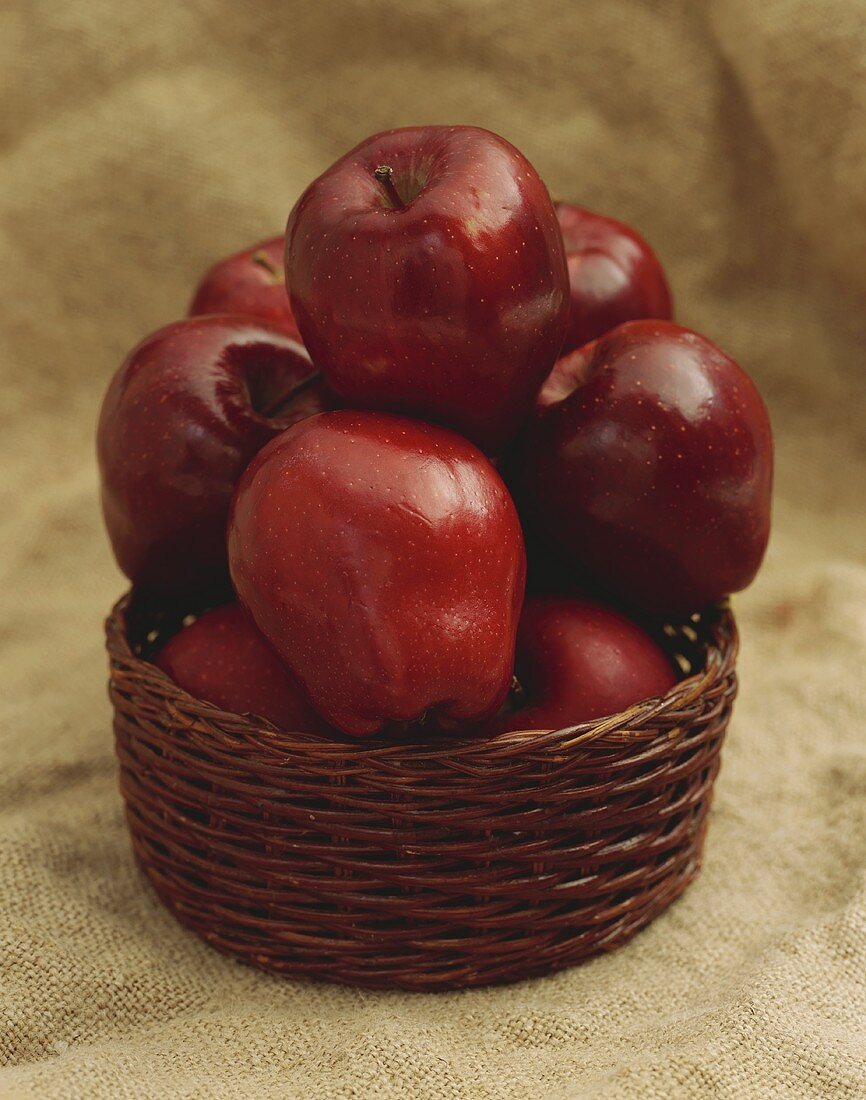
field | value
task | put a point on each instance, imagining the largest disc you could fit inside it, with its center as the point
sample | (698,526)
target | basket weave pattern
(429,865)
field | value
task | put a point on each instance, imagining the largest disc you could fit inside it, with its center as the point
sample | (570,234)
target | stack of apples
(368,426)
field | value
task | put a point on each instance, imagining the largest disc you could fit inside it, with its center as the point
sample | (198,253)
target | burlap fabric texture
(142,141)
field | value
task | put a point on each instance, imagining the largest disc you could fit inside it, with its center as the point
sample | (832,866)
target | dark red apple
(251,282)
(648,467)
(428,277)
(182,417)
(223,659)
(578,660)
(614,274)
(383,559)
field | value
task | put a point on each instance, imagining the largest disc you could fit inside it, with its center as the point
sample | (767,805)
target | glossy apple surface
(182,417)
(440,291)
(251,282)
(578,660)
(223,659)
(648,467)
(613,274)
(383,559)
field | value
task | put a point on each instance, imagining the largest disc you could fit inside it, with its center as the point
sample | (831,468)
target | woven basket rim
(626,727)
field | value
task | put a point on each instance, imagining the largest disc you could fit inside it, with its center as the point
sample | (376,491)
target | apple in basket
(613,274)
(251,282)
(383,559)
(648,466)
(427,275)
(578,660)
(222,659)
(183,415)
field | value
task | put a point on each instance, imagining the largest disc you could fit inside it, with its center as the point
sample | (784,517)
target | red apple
(182,417)
(614,274)
(383,559)
(578,660)
(223,659)
(648,467)
(428,277)
(251,282)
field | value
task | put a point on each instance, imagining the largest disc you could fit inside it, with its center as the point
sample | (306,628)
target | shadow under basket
(421,865)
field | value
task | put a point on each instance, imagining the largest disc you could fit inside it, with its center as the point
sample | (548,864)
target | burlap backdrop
(140,142)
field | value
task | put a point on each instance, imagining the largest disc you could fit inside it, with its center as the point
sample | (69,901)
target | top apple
(427,275)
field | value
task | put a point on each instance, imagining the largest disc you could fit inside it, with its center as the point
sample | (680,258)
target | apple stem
(263,260)
(385,175)
(275,407)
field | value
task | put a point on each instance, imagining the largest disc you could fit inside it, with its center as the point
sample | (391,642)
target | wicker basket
(425,866)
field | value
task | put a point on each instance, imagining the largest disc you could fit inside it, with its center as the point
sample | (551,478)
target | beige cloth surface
(142,141)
